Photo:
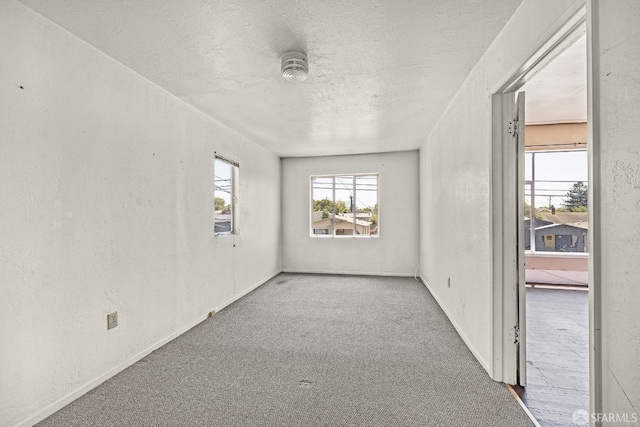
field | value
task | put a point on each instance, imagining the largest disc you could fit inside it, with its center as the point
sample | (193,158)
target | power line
(346,188)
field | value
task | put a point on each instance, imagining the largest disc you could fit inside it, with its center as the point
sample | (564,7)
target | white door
(521,345)
(508,248)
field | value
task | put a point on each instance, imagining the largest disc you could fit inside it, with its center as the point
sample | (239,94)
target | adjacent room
(294,213)
(555,237)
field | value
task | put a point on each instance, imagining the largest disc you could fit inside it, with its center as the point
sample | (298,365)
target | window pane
(562,165)
(561,184)
(223,194)
(367,205)
(561,206)
(321,205)
(527,217)
(344,205)
(344,202)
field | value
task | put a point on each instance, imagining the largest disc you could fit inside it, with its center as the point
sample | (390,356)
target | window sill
(549,254)
(221,235)
(321,236)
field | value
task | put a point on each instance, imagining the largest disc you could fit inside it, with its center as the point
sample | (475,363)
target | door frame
(504,193)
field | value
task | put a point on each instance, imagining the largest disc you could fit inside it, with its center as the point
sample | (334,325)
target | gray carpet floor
(308,350)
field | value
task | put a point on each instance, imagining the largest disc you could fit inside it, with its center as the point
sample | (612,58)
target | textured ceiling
(381,72)
(558,93)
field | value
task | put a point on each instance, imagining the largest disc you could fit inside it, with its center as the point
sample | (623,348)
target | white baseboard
(462,334)
(349,273)
(240,295)
(64,401)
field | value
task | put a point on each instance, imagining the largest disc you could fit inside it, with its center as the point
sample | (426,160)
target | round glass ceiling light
(294,66)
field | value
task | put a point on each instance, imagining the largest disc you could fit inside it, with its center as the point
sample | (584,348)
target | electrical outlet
(112,320)
(448,282)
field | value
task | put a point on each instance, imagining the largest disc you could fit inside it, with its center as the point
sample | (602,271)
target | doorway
(515,238)
(555,229)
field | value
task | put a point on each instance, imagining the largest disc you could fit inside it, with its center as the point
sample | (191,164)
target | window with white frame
(556,205)
(225,196)
(344,205)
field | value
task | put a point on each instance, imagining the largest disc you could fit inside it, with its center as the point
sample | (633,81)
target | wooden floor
(558,355)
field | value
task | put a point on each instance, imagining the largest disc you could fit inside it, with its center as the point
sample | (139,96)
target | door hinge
(514,127)
(516,333)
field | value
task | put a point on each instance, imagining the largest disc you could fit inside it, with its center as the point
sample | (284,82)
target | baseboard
(463,335)
(240,295)
(348,273)
(64,401)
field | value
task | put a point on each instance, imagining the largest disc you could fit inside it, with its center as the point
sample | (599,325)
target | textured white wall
(455,181)
(394,252)
(616,154)
(107,195)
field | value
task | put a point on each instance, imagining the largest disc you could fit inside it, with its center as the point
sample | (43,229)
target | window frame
(533,251)
(333,234)
(235,176)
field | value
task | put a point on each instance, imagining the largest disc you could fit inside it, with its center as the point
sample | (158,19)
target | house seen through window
(556,191)
(225,196)
(344,205)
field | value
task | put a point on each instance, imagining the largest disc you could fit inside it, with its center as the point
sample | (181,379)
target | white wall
(615,157)
(107,196)
(395,252)
(455,180)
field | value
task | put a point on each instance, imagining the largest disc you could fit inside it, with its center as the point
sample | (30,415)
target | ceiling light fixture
(294,66)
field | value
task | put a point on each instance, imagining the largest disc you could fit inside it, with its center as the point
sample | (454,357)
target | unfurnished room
(319,213)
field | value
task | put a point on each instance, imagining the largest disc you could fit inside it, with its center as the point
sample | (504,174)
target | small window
(225,196)
(344,205)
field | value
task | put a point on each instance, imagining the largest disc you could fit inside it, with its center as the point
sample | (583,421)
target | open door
(509,355)
(509,238)
(520,336)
